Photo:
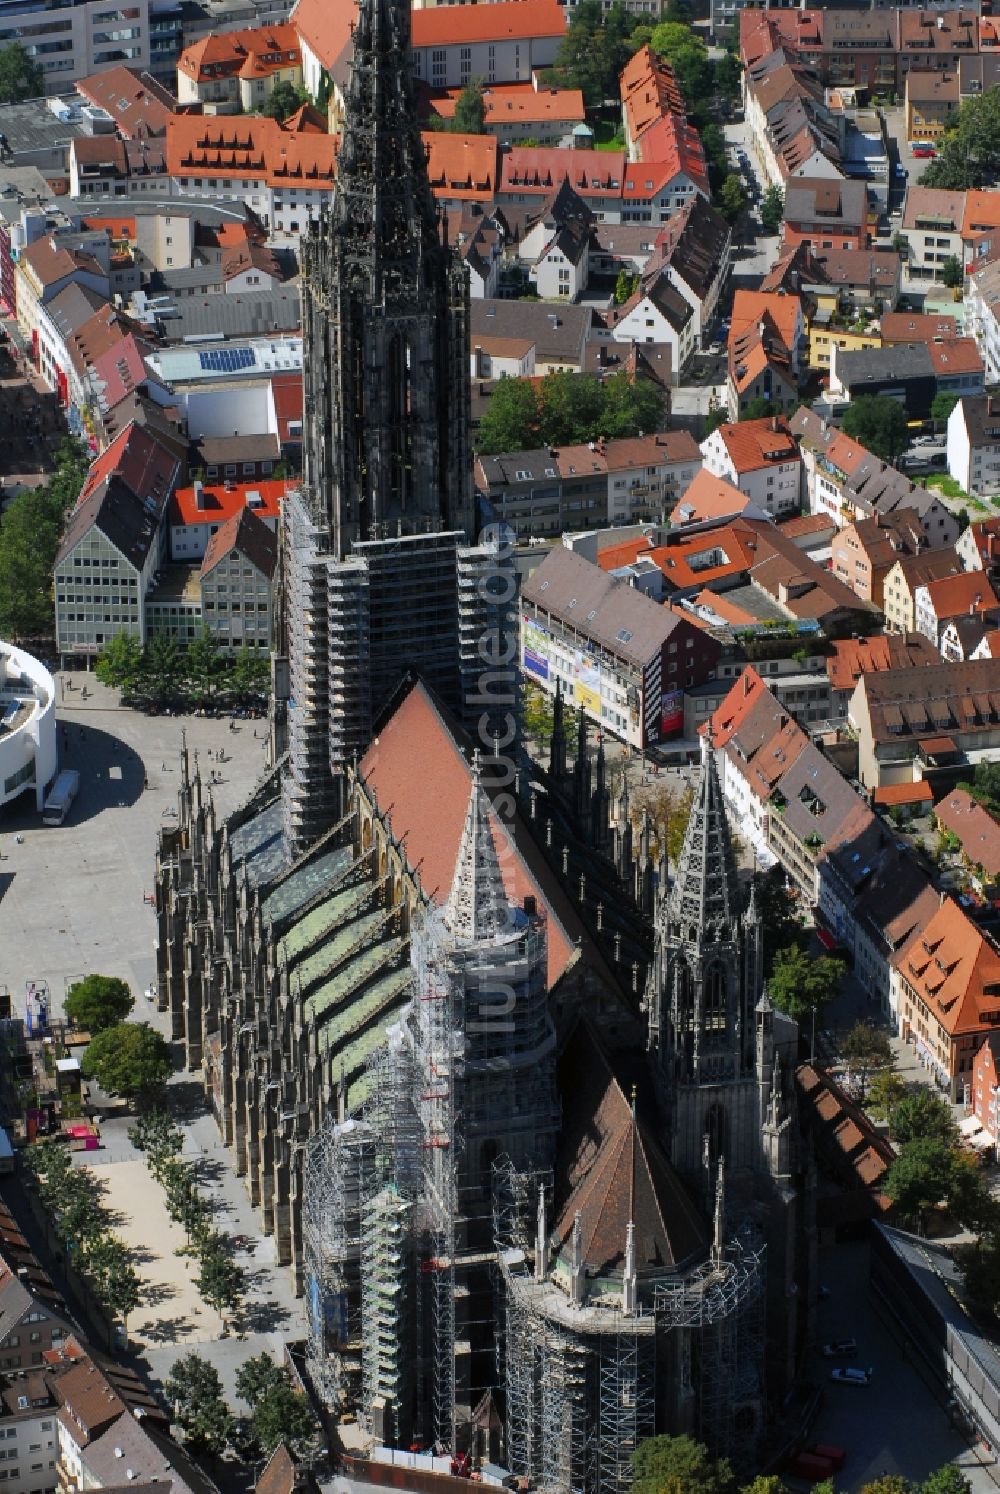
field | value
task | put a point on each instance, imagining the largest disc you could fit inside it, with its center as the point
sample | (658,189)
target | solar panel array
(227,360)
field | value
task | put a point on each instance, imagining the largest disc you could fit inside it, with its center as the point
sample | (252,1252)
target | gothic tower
(381,573)
(702,995)
(386,376)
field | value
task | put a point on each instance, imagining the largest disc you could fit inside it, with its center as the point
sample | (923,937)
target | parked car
(924,151)
(849,1376)
(842,1348)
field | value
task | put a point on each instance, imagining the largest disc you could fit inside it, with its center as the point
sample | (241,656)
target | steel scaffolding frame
(437,1052)
(339,1178)
(626,1409)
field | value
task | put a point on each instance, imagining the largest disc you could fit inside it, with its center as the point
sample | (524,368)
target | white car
(848,1376)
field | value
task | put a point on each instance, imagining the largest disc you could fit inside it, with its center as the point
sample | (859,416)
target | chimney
(199,495)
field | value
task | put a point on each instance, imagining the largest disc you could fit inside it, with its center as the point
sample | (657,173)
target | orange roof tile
(249,146)
(520,102)
(450,25)
(975,827)
(708,497)
(955,970)
(757,444)
(750,307)
(227,53)
(905,793)
(956,596)
(326,30)
(221,503)
(462,165)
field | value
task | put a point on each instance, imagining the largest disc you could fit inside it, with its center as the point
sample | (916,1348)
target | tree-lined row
(200,675)
(73,1199)
(681,1465)
(31,529)
(278,1412)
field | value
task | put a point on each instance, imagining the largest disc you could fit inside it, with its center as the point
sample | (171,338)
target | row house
(863,553)
(618,656)
(850,658)
(283,172)
(103,167)
(228,595)
(760,458)
(767,337)
(945,996)
(982,311)
(846,482)
(978,546)
(974,445)
(694,250)
(951,598)
(657,313)
(813,810)
(922,722)
(978,835)
(756,739)
(44,269)
(871,896)
(905,578)
(627,481)
(113,546)
(874,50)
(824,214)
(914,373)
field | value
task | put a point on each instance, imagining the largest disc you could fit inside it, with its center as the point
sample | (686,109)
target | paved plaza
(73,901)
(72,897)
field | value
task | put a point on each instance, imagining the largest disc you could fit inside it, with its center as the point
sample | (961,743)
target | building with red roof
(518,111)
(138,103)
(946,994)
(765,339)
(231,72)
(938,602)
(760,458)
(505,42)
(200,511)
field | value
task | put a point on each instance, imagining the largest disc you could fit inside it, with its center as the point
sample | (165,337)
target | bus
(60,797)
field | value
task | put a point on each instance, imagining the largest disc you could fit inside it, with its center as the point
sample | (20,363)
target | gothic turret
(702,991)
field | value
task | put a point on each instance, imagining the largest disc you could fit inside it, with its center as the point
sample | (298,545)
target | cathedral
(505,1086)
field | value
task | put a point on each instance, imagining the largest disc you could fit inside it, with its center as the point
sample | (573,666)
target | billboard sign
(671,713)
(535,643)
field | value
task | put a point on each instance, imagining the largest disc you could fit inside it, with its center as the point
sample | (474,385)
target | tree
(21,77)
(728,75)
(155,1134)
(72,466)
(802,986)
(194,1390)
(469,117)
(120,663)
(256,1377)
(221,1281)
(878,423)
(629,407)
(203,662)
(930,1171)
(284,1415)
(952,273)
(765,1483)
(885,1092)
(164,668)
(946,1480)
(688,56)
(732,198)
(623,286)
(759,408)
(29,539)
(867,1049)
(772,210)
(117,1285)
(942,405)
(889,1483)
(98,1001)
(282,101)
(130,1059)
(782,926)
(251,672)
(712,421)
(921,1113)
(980,1267)
(570,408)
(969,154)
(512,419)
(678,1465)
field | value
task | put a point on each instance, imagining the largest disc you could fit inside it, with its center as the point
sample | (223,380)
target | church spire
(477,907)
(385,319)
(705,889)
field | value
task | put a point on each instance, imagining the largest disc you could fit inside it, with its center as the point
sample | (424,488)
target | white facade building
(28,751)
